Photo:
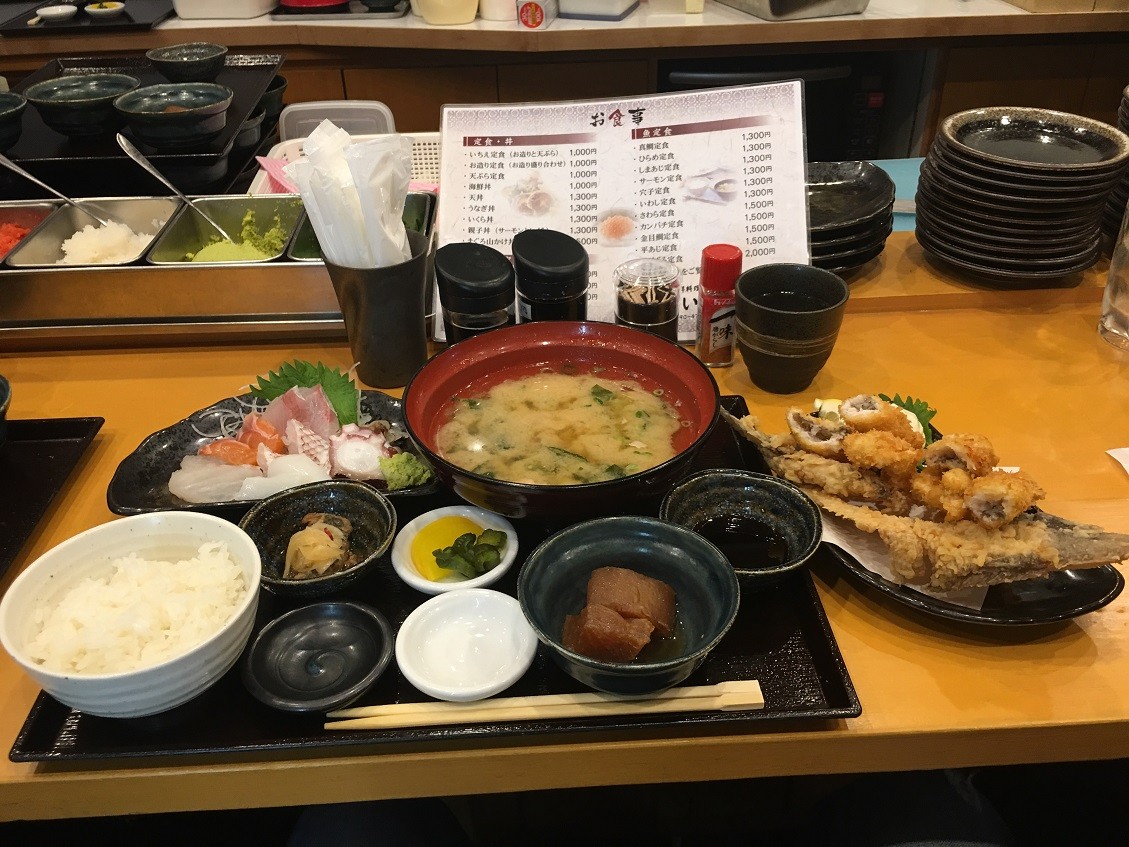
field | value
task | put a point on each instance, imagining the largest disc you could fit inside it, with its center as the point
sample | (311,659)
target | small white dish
(402,550)
(465,645)
(104,10)
(59,12)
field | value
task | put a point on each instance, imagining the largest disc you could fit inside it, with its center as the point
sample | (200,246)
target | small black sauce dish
(766,527)
(80,105)
(319,657)
(12,106)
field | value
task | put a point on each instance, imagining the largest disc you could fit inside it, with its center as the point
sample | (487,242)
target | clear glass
(1113,325)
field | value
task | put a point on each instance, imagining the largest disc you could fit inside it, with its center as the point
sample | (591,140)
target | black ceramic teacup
(788,318)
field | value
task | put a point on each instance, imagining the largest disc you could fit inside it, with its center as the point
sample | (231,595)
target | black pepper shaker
(646,296)
(476,289)
(552,276)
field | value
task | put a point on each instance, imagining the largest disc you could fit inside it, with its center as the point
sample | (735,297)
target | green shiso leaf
(338,386)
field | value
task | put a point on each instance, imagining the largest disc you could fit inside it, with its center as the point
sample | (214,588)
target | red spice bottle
(721,265)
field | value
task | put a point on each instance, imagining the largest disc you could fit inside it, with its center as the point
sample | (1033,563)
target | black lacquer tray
(36,458)
(781,637)
(97,167)
(138,16)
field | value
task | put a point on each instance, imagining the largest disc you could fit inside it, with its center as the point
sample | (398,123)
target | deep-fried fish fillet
(883,451)
(817,435)
(865,412)
(971,453)
(999,497)
(840,479)
(949,556)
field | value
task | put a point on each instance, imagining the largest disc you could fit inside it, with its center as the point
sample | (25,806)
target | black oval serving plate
(843,194)
(141,483)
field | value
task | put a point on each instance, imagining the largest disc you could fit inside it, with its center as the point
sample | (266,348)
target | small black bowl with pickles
(274,520)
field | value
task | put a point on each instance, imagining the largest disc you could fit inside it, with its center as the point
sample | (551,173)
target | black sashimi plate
(141,483)
(1059,597)
(138,16)
(781,637)
(36,459)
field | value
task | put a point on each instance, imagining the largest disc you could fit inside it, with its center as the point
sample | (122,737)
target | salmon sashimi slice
(633,595)
(231,451)
(258,430)
(603,634)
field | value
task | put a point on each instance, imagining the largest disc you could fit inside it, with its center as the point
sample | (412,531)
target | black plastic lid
(473,278)
(550,265)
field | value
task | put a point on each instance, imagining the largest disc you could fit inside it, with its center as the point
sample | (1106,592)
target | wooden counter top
(1027,368)
(657,24)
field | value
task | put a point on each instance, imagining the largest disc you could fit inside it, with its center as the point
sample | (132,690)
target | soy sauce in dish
(745,541)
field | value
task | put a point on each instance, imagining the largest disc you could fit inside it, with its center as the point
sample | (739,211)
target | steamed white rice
(105,244)
(141,614)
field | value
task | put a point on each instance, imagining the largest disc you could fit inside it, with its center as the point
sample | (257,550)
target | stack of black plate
(1119,197)
(850,213)
(1016,194)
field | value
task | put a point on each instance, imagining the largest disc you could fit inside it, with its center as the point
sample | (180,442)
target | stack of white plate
(1119,197)
(1016,195)
(850,213)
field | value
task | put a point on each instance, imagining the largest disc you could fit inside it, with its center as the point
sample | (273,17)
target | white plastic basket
(425,158)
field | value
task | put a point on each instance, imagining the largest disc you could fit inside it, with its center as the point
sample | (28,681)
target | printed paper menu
(660,176)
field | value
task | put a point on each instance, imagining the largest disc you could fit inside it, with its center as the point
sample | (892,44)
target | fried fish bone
(965,554)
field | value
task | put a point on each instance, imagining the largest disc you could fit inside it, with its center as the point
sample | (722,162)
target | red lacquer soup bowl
(473,366)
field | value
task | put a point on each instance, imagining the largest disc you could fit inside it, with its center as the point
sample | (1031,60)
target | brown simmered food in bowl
(623,610)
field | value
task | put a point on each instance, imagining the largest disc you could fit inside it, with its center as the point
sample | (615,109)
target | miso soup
(560,429)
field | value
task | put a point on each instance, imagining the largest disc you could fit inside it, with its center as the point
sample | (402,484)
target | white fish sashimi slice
(203,479)
(356,452)
(300,439)
(285,472)
(308,406)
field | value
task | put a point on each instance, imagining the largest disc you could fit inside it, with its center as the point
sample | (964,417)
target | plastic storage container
(597,10)
(229,9)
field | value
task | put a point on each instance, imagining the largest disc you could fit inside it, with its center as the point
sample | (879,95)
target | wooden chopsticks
(725,696)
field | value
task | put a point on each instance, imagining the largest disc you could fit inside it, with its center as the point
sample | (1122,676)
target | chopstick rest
(726,696)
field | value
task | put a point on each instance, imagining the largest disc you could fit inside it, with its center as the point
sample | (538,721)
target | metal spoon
(139,157)
(82,207)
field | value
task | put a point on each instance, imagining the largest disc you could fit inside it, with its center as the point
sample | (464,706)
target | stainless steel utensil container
(44,247)
(25,213)
(189,232)
(792,10)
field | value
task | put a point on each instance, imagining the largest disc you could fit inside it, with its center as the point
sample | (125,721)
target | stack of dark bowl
(1016,194)
(850,213)
(1119,197)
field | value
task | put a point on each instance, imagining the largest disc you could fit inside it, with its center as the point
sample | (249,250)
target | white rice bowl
(192,637)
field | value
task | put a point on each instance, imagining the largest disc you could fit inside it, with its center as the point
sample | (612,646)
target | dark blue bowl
(12,107)
(195,62)
(554,580)
(176,115)
(80,104)
(723,495)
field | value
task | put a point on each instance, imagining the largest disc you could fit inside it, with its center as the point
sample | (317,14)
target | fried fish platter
(950,517)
